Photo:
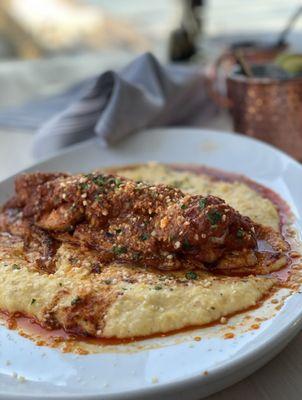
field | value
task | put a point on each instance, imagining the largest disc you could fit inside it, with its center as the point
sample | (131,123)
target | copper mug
(258,52)
(266,108)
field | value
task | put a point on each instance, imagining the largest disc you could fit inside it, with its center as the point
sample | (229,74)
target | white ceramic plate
(176,367)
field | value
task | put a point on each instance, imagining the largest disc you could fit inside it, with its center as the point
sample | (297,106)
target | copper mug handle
(220,99)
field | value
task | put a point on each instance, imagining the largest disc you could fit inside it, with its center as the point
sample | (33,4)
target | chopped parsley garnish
(118,231)
(116,181)
(183,206)
(118,250)
(84,186)
(99,180)
(144,236)
(60,284)
(158,287)
(75,300)
(16,266)
(191,275)
(108,281)
(202,203)
(33,301)
(186,244)
(214,217)
(240,233)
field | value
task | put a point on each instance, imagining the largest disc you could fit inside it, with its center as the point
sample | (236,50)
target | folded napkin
(144,94)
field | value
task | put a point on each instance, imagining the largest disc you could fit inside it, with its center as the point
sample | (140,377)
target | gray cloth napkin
(144,94)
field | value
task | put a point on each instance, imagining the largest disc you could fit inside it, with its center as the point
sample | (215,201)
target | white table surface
(281,379)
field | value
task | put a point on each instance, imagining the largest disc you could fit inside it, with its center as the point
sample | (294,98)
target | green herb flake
(202,203)
(16,266)
(84,186)
(158,287)
(75,300)
(33,301)
(60,284)
(108,281)
(144,236)
(99,180)
(240,233)
(115,182)
(118,250)
(118,231)
(191,275)
(183,206)
(186,244)
(214,217)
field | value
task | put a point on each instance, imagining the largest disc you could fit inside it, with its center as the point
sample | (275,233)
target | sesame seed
(177,245)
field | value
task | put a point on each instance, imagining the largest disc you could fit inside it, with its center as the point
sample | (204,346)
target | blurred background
(47,45)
